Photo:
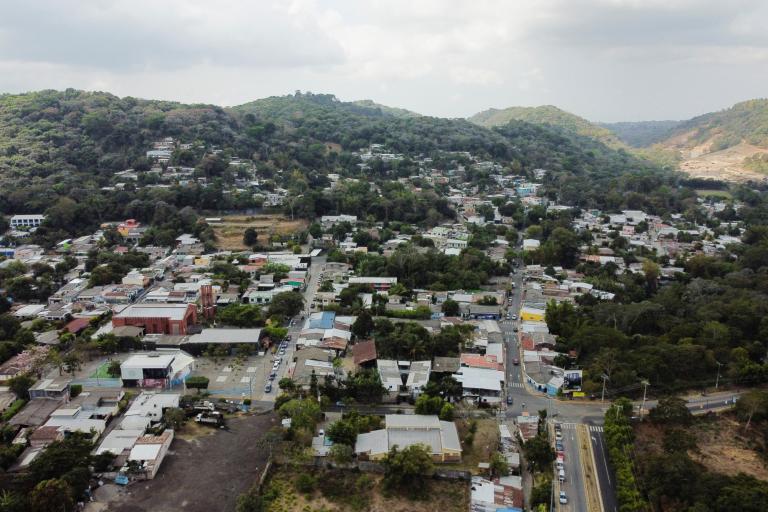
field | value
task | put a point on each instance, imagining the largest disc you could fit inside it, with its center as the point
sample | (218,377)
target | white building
(26,221)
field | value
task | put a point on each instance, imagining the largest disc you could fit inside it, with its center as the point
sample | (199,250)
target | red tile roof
(364,351)
(77,325)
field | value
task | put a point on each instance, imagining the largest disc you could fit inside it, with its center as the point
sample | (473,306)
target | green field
(716,193)
(101,372)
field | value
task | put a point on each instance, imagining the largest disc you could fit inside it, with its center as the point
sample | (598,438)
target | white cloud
(605,59)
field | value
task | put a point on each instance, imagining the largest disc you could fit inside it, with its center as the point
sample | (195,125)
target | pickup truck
(215,419)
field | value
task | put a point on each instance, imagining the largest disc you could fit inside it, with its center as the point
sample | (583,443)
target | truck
(214,418)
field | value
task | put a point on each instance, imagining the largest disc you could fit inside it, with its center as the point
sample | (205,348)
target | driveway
(203,474)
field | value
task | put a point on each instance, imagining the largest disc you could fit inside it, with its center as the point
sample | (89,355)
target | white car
(563,498)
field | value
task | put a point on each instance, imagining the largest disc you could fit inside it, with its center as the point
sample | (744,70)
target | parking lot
(202,474)
(230,377)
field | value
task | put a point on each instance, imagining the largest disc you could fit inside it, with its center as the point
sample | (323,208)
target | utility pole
(645,384)
(602,397)
(717,379)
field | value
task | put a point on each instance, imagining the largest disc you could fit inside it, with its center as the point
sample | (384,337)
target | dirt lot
(363,492)
(722,444)
(229,232)
(203,472)
(486,442)
(726,165)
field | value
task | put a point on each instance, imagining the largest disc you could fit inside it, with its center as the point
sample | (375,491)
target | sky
(606,60)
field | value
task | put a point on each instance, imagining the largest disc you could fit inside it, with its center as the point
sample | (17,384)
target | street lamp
(645,384)
(602,397)
(717,379)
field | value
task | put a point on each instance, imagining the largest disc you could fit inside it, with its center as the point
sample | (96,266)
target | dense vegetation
(677,333)
(547,115)
(641,134)
(746,121)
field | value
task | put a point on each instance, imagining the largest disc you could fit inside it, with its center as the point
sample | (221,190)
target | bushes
(305,483)
(618,436)
(197,383)
(75,389)
(13,409)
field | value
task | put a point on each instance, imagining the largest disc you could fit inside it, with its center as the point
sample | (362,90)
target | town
(343,342)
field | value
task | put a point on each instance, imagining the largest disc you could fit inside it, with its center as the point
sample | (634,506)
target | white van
(561,475)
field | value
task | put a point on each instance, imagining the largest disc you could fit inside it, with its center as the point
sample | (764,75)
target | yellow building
(530,314)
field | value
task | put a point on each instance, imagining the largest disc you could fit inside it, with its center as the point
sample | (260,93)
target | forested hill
(547,115)
(744,122)
(71,143)
(641,134)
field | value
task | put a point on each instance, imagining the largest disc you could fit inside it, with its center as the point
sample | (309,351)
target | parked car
(563,498)
(268,387)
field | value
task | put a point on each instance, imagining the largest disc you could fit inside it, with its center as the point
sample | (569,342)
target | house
(156,370)
(403,378)
(378,283)
(148,408)
(328,221)
(57,388)
(481,384)
(532,314)
(441,437)
(158,318)
(364,353)
(480,312)
(504,494)
(230,338)
(149,451)
(531,244)
(311,361)
(26,221)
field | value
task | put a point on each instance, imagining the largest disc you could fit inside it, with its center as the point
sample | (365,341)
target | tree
(343,432)
(446,413)
(363,325)
(20,385)
(71,362)
(197,382)
(250,237)
(287,304)
(671,411)
(114,368)
(539,453)
(406,469)
(52,495)
(426,404)
(341,453)
(451,308)
(175,417)
(304,413)
(499,466)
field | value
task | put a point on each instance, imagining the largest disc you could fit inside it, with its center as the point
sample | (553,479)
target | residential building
(26,221)
(440,437)
(158,318)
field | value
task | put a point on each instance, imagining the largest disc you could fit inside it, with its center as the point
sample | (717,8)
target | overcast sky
(607,60)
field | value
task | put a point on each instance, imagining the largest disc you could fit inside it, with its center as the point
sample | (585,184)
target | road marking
(245,380)
(595,428)
(227,369)
(516,385)
(221,378)
(568,426)
(251,369)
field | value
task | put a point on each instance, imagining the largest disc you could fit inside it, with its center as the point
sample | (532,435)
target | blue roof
(325,320)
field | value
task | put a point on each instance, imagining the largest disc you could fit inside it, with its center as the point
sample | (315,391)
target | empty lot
(205,473)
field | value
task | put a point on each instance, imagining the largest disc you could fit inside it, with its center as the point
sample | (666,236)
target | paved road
(574,477)
(605,475)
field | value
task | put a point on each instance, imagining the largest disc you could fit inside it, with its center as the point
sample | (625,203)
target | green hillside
(547,115)
(744,122)
(641,134)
